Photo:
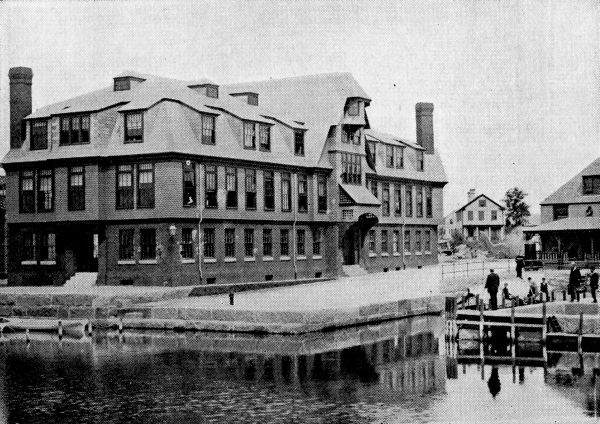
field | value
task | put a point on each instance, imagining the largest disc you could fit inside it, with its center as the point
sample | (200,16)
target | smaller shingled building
(479,216)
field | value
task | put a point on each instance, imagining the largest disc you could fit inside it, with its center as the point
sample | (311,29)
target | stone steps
(353,270)
(82,280)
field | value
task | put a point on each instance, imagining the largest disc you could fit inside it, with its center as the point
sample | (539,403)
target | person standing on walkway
(544,288)
(594,283)
(574,277)
(520,260)
(533,290)
(492,284)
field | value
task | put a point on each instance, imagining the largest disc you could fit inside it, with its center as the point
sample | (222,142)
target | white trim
(372,255)
(385,254)
(427,252)
(209,260)
(147,262)
(267,258)
(317,257)
(301,258)
(230,260)
(126,262)
(188,260)
(29,263)
(396,253)
(47,262)
(284,258)
(407,253)
(418,253)
(250,259)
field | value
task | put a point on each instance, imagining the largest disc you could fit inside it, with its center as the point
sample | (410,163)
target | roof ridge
(317,75)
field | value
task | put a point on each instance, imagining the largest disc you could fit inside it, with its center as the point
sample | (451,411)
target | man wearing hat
(491,284)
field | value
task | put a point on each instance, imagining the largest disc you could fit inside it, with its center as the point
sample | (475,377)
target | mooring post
(481,321)
(512,321)
(89,328)
(60,330)
(578,295)
(464,301)
(544,325)
(120,325)
(580,333)
(27,339)
(477,301)
(553,297)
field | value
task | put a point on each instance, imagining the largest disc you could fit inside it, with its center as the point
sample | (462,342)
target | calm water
(397,372)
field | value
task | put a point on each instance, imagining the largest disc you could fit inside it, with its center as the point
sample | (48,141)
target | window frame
(249,243)
(208,243)
(267,242)
(399,157)
(211,198)
(385,199)
(419,211)
(189,184)
(384,241)
(231,196)
(133,138)
(557,209)
(321,193)
(286,198)
(264,137)
(407,242)
(397,200)
(187,243)
(250,189)
(420,161)
(41,205)
(148,250)
(300,242)
(408,201)
(372,241)
(317,239)
(299,147)
(481,215)
(470,216)
(119,190)
(31,201)
(151,196)
(66,136)
(389,156)
(38,141)
(208,125)
(74,171)
(302,199)
(351,168)
(126,251)
(229,242)
(268,190)
(249,135)
(429,202)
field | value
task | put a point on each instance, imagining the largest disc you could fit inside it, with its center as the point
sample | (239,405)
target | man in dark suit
(594,283)
(492,283)
(574,278)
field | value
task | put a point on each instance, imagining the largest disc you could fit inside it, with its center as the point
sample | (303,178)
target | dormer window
(209,90)
(264,136)
(134,127)
(39,134)
(122,84)
(351,134)
(353,108)
(299,143)
(420,161)
(591,184)
(399,157)
(249,135)
(251,98)
(75,129)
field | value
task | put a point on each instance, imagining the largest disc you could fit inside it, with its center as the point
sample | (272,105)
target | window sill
(269,210)
(284,258)
(251,209)
(189,206)
(147,262)
(267,259)
(427,252)
(317,257)
(250,259)
(301,257)
(396,253)
(418,253)
(407,253)
(372,255)
(126,262)
(210,260)
(29,263)
(385,254)
(188,261)
(47,262)
(230,260)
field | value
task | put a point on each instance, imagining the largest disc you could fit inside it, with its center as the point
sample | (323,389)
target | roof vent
(208,89)
(251,98)
(126,83)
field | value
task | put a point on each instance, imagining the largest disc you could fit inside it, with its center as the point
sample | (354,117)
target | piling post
(60,330)
(512,321)
(481,321)
(27,339)
(120,325)
(89,328)
(553,296)
(464,301)
(477,301)
(580,332)
(578,295)
(544,320)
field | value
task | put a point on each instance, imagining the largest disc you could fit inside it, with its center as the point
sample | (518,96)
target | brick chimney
(424,113)
(20,103)
(470,194)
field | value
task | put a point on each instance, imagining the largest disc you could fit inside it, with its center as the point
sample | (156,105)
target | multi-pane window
(148,243)
(126,244)
(122,84)
(321,193)
(28,248)
(418,240)
(591,184)
(208,129)
(385,199)
(407,244)
(353,108)
(389,156)
(210,186)
(481,215)
(302,193)
(384,241)
(316,234)
(371,241)
(76,188)
(230,242)
(39,134)
(396,241)
(429,202)
(45,201)
(494,215)
(351,168)
(397,199)
(267,242)
(189,183)
(299,142)
(187,244)
(420,161)
(249,135)
(419,202)
(269,190)
(351,135)
(209,243)
(134,127)
(373,187)
(286,191)
(399,157)
(75,129)
(145,185)
(212,91)
(249,242)
(231,200)
(482,203)
(264,137)
(125,187)
(284,242)
(371,153)
(428,235)
(300,242)
(47,250)
(250,189)
(561,211)
(408,200)
(27,192)
(470,215)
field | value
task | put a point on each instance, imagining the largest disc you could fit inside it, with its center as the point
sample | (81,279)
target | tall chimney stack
(20,103)
(425,126)
(470,194)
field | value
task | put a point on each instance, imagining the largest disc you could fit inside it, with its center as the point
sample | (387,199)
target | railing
(471,268)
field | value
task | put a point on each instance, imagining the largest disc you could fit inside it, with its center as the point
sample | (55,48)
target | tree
(456,238)
(517,210)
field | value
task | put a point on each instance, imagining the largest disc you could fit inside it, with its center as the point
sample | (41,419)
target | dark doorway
(85,251)
(351,246)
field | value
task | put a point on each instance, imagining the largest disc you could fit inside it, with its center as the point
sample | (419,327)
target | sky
(515,84)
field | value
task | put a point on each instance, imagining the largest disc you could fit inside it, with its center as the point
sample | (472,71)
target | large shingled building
(156,181)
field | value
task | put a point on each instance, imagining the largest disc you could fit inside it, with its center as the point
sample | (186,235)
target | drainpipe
(403,234)
(199,208)
(294,251)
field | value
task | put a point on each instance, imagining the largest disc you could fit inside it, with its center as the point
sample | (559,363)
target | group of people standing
(575,282)
(492,284)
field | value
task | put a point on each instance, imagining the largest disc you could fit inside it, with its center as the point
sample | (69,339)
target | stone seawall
(213,289)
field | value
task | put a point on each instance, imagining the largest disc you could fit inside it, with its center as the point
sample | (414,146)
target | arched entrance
(353,238)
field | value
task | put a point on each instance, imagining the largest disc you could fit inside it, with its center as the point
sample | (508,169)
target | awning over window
(567,224)
(360,195)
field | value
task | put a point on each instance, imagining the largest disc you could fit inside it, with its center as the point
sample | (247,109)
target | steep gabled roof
(476,198)
(572,190)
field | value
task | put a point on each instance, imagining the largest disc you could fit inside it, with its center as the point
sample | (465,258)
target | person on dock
(574,277)
(506,294)
(468,297)
(520,260)
(544,288)
(533,290)
(492,283)
(594,283)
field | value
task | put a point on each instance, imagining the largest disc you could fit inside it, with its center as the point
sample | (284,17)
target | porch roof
(360,195)
(567,224)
